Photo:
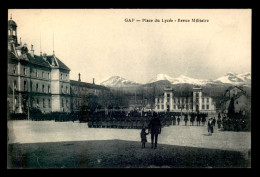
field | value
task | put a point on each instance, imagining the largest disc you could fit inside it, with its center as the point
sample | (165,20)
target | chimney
(79,77)
(44,56)
(32,51)
(93,81)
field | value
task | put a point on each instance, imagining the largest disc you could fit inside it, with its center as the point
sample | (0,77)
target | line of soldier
(237,123)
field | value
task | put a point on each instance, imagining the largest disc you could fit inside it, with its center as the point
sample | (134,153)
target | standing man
(219,122)
(178,120)
(154,128)
(186,119)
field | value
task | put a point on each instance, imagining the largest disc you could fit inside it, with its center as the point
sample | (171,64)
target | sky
(100,43)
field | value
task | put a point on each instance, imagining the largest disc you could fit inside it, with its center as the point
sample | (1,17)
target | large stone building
(195,101)
(41,81)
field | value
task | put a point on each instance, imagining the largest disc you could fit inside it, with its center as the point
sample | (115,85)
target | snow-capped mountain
(235,79)
(182,79)
(229,78)
(117,81)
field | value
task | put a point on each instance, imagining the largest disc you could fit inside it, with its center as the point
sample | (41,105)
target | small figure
(186,119)
(214,121)
(219,122)
(178,120)
(143,137)
(210,126)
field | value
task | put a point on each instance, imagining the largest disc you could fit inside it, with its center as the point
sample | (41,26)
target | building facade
(195,101)
(242,101)
(40,81)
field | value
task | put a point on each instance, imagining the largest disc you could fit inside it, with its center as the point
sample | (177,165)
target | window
(168,95)
(37,101)
(62,104)
(49,103)
(190,106)
(14,69)
(24,71)
(202,100)
(207,100)
(62,89)
(25,86)
(168,100)
(162,106)
(174,106)
(37,87)
(42,74)
(207,106)
(197,94)
(203,106)
(61,76)
(49,89)
(43,88)
(15,85)
(67,90)
(49,76)
(237,102)
(174,100)
(43,103)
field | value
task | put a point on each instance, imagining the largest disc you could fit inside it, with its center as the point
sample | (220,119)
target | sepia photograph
(128,88)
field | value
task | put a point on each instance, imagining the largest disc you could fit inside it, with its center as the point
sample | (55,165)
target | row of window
(61,77)
(37,73)
(37,87)
(203,106)
(175,100)
(204,100)
(43,103)
(179,107)
(67,89)
(62,103)
(43,88)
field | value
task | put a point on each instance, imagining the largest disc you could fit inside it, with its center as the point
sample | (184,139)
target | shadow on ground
(118,154)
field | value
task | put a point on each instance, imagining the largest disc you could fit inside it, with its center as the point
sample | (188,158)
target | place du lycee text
(170,20)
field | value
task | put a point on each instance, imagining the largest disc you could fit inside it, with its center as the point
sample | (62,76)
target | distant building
(242,101)
(80,90)
(40,81)
(195,101)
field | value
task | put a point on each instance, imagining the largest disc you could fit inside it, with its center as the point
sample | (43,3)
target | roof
(38,60)
(88,85)
(11,23)
(11,56)
(62,65)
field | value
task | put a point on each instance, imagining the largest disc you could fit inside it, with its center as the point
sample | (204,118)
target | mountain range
(227,79)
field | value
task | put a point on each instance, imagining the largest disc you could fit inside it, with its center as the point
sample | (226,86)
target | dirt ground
(49,144)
